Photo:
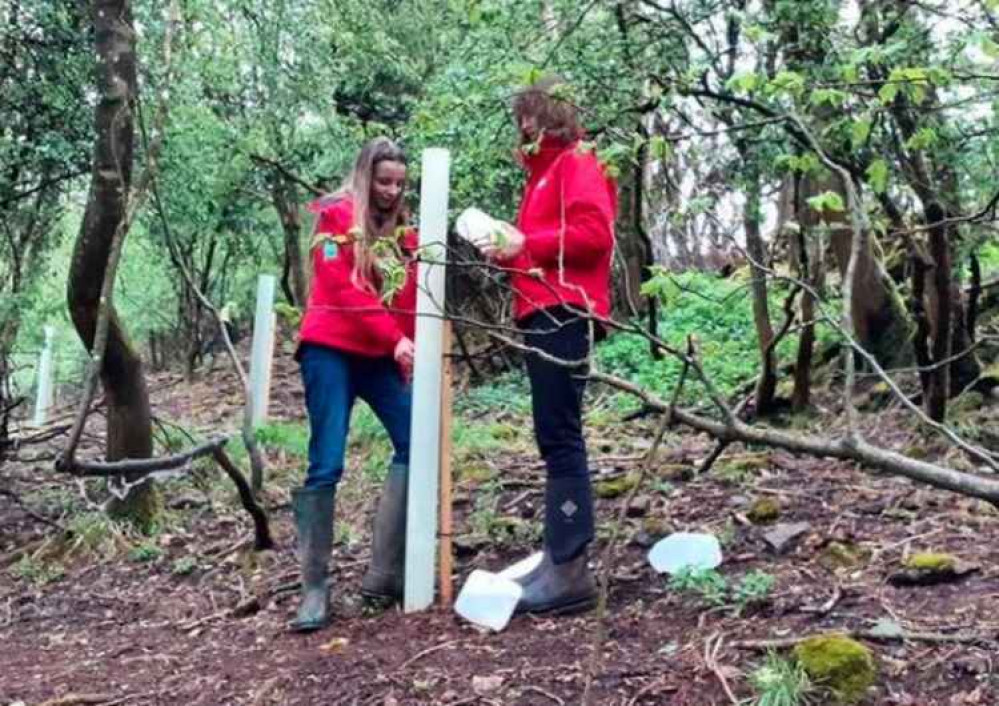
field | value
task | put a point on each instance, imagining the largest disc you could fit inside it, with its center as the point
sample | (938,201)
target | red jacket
(567,217)
(340,314)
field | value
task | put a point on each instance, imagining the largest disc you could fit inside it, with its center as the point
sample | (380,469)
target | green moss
(675,472)
(477,474)
(967,403)
(840,664)
(140,508)
(764,511)
(917,451)
(843,555)
(503,432)
(615,487)
(931,562)
(656,527)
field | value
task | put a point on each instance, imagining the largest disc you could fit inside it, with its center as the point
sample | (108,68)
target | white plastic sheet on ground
(685,550)
(488,599)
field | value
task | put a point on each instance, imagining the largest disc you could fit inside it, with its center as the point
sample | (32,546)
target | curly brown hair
(548,101)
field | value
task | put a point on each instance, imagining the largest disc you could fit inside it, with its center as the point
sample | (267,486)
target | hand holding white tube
(496,239)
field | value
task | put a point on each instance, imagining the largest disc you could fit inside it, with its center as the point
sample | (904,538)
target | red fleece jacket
(567,217)
(342,315)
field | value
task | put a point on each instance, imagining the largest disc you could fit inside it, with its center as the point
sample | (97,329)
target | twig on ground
(547,694)
(424,653)
(712,646)
(264,691)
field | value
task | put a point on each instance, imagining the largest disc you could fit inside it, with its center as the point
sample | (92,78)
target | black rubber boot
(558,588)
(314,519)
(562,582)
(385,578)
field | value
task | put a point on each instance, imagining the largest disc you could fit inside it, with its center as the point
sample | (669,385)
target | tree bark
(766,386)
(293,279)
(129,425)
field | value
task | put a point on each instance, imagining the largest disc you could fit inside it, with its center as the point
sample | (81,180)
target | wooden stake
(447,379)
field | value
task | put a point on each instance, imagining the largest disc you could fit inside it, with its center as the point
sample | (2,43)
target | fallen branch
(261,529)
(79,700)
(146,465)
(859,451)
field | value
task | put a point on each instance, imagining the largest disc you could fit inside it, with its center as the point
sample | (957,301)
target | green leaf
(659,148)
(877,175)
(790,82)
(860,131)
(827,201)
(923,139)
(744,82)
(888,93)
(531,76)
(827,96)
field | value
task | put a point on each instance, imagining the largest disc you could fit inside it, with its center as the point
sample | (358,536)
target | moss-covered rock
(931,568)
(657,527)
(615,487)
(764,511)
(936,562)
(675,472)
(840,664)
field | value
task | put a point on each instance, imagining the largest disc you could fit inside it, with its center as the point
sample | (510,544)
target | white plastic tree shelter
(43,395)
(425,447)
(262,350)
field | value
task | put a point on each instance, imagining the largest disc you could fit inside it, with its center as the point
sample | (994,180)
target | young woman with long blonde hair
(356,341)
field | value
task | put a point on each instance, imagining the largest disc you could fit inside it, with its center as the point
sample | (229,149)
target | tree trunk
(881,322)
(293,279)
(766,386)
(129,426)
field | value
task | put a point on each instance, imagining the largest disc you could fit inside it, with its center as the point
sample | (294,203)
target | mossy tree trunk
(129,426)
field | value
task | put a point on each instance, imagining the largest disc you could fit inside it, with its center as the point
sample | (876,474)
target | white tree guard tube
(424,457)
(43,395)
(262,351)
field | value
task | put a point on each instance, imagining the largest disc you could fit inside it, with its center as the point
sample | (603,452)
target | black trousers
(557,406)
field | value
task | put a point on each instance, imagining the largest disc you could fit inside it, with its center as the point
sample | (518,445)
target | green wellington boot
(385,577)
(314,519)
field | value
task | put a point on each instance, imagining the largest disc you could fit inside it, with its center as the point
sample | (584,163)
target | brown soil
(119,630)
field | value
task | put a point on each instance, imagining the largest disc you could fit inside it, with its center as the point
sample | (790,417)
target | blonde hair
(367,228)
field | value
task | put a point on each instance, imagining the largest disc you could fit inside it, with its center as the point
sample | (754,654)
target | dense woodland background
(807,258)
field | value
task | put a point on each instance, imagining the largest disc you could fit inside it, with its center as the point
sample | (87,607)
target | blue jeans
(333,381)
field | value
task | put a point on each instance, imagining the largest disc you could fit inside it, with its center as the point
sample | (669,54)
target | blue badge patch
(330,250)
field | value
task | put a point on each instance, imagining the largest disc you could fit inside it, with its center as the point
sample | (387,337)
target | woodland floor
(109,627)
